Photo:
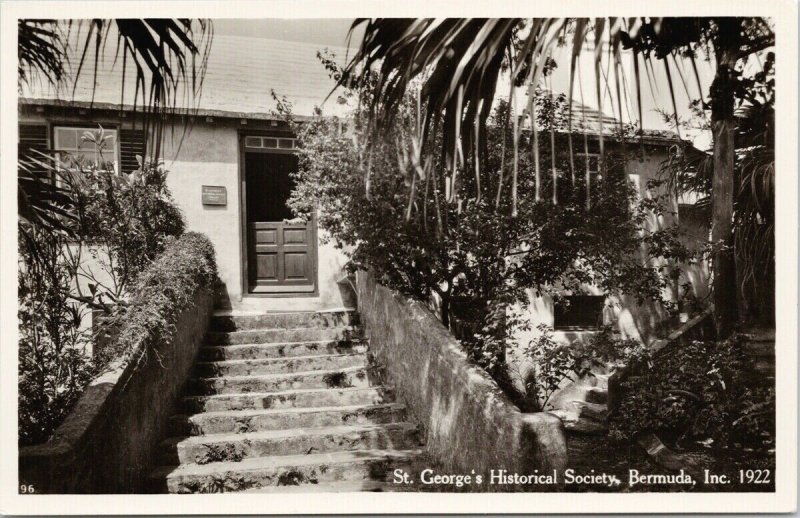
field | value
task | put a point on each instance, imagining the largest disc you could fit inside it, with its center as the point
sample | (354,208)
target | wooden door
(282,257)
(282,253)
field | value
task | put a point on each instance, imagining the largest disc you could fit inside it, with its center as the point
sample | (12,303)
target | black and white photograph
(443,260)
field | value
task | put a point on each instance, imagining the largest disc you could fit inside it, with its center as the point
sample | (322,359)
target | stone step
(243,421)
(288,470)
(757,334)
(596,411)
(339,378)
(580,424)
(597,395)
(299,334)
(760,349)
(342,486)
(303,398)
(236,447)
(765,367)
(279,365)
(280,350)
(586,426)
(227,321)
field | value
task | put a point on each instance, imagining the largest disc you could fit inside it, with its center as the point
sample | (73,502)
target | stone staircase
(760,346)
(587,411)
(285,401)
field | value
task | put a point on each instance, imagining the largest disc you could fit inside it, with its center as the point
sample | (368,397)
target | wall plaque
(215,195)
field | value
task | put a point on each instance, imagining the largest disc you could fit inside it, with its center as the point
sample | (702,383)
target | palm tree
(459,62)
(169,56)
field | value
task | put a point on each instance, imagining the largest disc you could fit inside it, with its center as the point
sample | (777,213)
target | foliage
(555,363)
(754,185)
(161,293)
(169,57)
(425,234)
(459,61)
(702,391)
(121,221)
(428,232)
(457,64)
(124,219)
(53,363)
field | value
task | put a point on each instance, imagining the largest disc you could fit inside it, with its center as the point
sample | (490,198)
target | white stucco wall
(209,155)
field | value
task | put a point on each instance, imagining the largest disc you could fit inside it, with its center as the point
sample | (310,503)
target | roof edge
(189,112)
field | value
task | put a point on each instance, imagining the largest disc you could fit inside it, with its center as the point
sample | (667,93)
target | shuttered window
(35,139)
(32,141)
(131,143)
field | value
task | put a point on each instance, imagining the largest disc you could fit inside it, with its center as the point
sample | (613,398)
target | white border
(785,14)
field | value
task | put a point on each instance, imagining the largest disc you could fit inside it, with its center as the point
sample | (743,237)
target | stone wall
(107,442)
(469,423)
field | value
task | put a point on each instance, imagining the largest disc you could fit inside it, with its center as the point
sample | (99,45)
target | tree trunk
(445,309)
(723,191)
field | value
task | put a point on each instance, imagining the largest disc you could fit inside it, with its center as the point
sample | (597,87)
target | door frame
(243,227)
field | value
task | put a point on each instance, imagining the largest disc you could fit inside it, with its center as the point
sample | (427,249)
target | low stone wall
(106,444)
(469,423)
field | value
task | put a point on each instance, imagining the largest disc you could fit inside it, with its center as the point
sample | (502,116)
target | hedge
(160,294)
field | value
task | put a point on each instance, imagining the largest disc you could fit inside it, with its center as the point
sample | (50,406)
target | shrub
(161,293)
(126,219)
(53,364)
(702,390)
(433,227)
(554,362)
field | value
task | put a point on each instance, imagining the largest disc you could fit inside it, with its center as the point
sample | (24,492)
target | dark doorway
(281,254)
(269,185)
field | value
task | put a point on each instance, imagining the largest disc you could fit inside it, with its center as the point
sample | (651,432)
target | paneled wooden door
(282,253)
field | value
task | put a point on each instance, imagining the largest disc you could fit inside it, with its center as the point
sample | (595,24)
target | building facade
(230,155)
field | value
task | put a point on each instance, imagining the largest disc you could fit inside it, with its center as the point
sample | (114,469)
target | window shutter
(131,143)
(32,138)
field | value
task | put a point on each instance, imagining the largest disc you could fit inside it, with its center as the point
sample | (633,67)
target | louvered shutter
(32,139)
(131,143)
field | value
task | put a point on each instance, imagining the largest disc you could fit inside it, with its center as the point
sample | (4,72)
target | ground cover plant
(700,391)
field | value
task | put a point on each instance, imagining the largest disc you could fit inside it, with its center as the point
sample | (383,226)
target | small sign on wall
(215,195)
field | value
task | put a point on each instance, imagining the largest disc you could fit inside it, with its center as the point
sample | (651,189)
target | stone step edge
(228,313)
(316,431)
(276,345)
(277,461)
(296,410)
(304,328)
(376,388)
(340,486)
(242,361)
(282,375)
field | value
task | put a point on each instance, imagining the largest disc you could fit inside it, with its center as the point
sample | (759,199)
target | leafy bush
(53,363)
(124,220)
(433,227)
(161,293)
(556,362)
(701,391)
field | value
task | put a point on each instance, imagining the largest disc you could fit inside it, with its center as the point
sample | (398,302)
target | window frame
(54,130)
(582,160)
(581,326)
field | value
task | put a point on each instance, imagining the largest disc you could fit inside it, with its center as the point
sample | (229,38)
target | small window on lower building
(579,312)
